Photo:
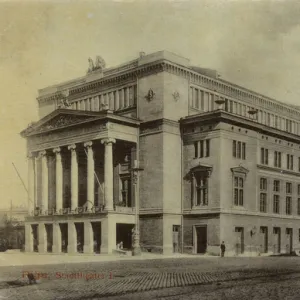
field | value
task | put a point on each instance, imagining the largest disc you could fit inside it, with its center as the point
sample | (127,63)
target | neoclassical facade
(218,162)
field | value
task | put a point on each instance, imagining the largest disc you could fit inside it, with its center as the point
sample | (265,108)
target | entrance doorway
(289,243)
(49,232)
(124,234)
(201,239)
(97,236)
(264,239)
(239,231)
(64,237)
(277,240)
(35,241)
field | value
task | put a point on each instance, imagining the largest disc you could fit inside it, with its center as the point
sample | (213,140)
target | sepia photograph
(150,149)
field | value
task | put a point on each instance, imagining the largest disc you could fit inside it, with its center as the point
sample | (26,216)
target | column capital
(57,150)
(88,144)
(108,141)
(72,147)
(42,153)
(30,155)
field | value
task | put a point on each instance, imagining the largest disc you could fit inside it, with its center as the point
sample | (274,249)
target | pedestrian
(223,248)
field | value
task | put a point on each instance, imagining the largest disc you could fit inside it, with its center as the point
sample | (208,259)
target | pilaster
(57,238)
(88,238)
(72,238)
(42,236)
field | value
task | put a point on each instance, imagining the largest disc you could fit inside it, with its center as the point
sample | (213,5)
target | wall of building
(151,180)
(213,233)
(213,160)
(151,109)
(151,233)
(228,134)
(253,245)
(175,96)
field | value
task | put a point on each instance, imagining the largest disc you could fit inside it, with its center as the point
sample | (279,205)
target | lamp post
(136,249)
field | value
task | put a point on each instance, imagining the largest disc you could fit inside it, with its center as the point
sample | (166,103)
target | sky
(255,44)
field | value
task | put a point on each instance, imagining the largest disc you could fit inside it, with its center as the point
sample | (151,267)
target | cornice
(223,116)
(132,71)
(278,170)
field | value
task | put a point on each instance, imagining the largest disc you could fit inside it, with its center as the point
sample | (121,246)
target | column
(117,103)
(90,175)
(42,236)
(56,238)
(31,183)
(72,238)
(121,99)
(58,179)
(28,238)
(88,246)
(126,102)
(74,177)
(108,235)
(44,205)
(108,172)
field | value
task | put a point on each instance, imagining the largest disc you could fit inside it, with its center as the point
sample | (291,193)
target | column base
(136,250)
(56,249)
(42,249)
(88,249)
(28,248)
(72,249)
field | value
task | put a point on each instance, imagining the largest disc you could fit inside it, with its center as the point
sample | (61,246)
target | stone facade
(219,163)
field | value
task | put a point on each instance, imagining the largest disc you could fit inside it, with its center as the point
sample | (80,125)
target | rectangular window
(126,192)
(234,149)
(200,189)
(298,207)
(276,186)
(207,148)
(276,204)
(298,164)
(288,188)
(298,189)
(299,235)
(289,162)
(264,156)
(277,159)
(196,149)
(288,207)
(263,202)
(263,184)
(239,149)
(238,191)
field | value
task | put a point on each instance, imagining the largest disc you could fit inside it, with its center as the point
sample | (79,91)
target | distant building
(220,162)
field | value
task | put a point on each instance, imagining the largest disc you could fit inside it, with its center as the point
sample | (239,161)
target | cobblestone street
(147,279)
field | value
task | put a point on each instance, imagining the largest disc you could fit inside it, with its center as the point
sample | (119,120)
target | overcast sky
(253,43)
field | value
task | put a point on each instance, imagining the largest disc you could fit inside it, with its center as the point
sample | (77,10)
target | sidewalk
(17,258)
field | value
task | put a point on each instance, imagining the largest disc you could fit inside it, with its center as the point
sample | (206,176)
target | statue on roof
(99,64)
(91,65)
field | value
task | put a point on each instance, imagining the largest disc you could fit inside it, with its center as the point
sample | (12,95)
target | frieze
(57,123)
(35,141)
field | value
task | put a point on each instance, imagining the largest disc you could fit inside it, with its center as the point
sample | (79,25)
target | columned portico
(90,175)
(74,177)
(59,179)
(108,172)
(43,155)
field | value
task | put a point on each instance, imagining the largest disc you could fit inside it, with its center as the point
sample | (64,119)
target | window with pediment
(199,186)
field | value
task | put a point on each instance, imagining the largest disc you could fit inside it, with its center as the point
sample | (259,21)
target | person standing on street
(223,248)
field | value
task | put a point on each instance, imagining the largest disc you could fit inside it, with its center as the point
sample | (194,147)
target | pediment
(58,120)
(240,169)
